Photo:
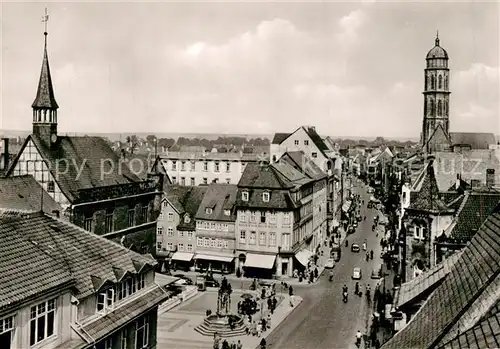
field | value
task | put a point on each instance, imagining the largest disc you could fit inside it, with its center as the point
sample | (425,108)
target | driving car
(355,248)
(330,263)
(356,274)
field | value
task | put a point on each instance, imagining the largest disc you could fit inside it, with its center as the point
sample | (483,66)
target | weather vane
(45,19)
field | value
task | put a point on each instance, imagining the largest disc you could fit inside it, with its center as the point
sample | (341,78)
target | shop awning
(182,256)
(215,257)
(263,261)
(346,206)
(303,257)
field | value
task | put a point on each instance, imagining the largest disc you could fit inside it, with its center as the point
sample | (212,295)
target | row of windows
(88,222)
(297,142)
(245,195)
(141,339)
(440,109)
(212,226)
(440,83)
(269,217)
(170,246)
(212,242)
(264,238)
(123,289)
(170,232)
(192,181)
(192,166)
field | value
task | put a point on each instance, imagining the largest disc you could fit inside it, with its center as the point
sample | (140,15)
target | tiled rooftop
(475,140)
(221,197)
(25,193)
(98,164)
(63,253)
(414,288)
(475,209)
(427,198)
(475,271)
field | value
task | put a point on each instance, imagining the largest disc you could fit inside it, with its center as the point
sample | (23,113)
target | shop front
(215,262)
(303,258)
(260,266)
(182,261)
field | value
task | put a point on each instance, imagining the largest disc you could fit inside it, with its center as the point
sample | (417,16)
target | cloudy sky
(350,69)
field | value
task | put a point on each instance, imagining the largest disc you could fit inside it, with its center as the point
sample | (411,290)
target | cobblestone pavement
(176,327)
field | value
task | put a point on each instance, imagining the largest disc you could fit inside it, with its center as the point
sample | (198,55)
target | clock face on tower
(53,138)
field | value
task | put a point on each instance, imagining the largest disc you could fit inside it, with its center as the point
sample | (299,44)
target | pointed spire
(45,98)
(437,38)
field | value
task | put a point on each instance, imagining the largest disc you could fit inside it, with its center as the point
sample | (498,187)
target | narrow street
(323,320)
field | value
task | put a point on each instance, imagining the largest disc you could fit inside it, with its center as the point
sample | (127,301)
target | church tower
(45,105)
(436,123)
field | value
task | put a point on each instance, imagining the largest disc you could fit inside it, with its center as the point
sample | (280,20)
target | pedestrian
(290,291)
(269,303)
(316,273)
(225,344)
(239,345)
(275,303)
(263,343)
(268,320)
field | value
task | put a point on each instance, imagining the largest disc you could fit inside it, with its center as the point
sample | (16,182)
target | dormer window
(187,219)
(244,196)
(227,212)
(105,300)
(208,210)
(265,197)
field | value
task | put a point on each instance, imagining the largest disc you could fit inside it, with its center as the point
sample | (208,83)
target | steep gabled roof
(25,193)
(474,139)
(316,138)
(262,176)
(467,293)
(63,253)
(427,198)
(299,161)
(439,140)
(219,197)
(190,203)
(81,163)
(475,209)
(280,137)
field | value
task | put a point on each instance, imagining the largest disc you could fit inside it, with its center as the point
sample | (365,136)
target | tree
(132,143)
(166,142)
(151,139)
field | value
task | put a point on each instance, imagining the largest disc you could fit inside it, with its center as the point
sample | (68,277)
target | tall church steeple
(45,105)
(436,123)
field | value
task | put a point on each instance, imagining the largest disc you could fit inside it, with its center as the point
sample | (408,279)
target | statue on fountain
(224,298)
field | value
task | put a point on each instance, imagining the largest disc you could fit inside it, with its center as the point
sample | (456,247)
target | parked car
(330,263)
(183,280)
(356,274)
(355,248)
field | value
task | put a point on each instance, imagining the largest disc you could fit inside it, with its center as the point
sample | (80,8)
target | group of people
(224,344)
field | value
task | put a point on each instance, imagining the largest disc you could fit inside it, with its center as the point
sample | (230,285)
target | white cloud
(349,26)
(474,99)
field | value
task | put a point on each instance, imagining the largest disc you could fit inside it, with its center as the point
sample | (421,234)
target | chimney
(6,156)
(457,182)
(490,177)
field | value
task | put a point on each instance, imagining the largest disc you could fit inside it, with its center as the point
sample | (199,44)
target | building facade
(215,229)
(191,169)
(276,231)
(94,186)
(78,298)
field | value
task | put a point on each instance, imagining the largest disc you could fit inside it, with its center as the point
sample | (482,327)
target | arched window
(431,106)
(426,83)
(440,82)
(439,108)
(433,82)
(446,83)
(445,108)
